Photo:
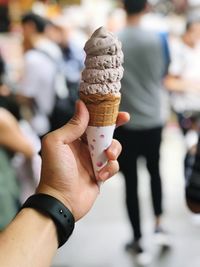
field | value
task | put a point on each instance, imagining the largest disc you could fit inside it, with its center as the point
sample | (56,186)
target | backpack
(64,103)
(166,53)
(192,174)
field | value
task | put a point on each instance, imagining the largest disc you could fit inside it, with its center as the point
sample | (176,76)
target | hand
(67,171)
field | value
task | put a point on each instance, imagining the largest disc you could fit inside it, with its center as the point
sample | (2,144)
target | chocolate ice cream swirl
(102,42)
(104,62)
(103,65)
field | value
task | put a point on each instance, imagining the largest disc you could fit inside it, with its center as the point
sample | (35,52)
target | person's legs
(153,157)
(128,166)
(132,202)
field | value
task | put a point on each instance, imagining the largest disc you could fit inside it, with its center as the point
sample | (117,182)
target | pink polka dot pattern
(102,135)
(99,164)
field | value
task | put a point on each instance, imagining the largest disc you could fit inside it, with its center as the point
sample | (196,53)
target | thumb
(76,127)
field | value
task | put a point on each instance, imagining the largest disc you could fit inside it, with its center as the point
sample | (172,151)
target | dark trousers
(137,143)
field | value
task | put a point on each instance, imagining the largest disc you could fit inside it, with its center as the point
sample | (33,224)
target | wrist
(45,189)
(43,222)
(24,239)
(54,209)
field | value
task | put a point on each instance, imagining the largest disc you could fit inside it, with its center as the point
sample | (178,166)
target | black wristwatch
(52,207)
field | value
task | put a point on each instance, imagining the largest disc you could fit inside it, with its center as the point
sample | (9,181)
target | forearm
(19,144)
(12,136)
(178,84)
(174,84)
(30,240)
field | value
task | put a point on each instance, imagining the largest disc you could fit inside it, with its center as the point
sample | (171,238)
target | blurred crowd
(40,70)
(41,60)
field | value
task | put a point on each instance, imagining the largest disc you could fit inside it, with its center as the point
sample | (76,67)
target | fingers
(114,150)
(76,126)
(112,167)
(123,118)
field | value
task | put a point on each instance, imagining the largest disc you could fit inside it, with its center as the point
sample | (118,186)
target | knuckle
(113,167)
(45,140)
(76,121)
(48,139)
(116,166)
(115,149)
(119,146)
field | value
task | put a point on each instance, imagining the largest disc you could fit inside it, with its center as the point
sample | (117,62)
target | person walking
(37,89)
(146,59)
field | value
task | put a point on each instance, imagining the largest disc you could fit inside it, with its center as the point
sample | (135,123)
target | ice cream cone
(103,110)
(100,91)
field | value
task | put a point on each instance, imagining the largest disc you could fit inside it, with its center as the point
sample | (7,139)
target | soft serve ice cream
(100,90)
(103,65)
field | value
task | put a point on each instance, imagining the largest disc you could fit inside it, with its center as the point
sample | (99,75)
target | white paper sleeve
(99,139)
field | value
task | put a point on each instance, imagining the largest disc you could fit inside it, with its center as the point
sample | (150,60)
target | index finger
(122,118)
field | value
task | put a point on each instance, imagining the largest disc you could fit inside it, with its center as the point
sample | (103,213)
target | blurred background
(99,238)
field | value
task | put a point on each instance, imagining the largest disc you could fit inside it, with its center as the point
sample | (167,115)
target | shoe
(162,238)
(134,246)
(142,257)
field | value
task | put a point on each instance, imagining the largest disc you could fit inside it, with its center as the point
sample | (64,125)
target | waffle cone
(103,109)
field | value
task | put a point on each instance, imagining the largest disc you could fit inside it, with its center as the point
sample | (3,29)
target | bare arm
(178,84)
(30,240)
(11,135)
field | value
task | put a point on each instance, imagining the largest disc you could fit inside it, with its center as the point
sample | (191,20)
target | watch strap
(52,207)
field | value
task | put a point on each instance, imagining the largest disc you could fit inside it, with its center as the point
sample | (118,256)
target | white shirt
(38,81)
(185,63)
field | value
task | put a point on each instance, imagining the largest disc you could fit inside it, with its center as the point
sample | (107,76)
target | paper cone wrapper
(103,110)
(99,139)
